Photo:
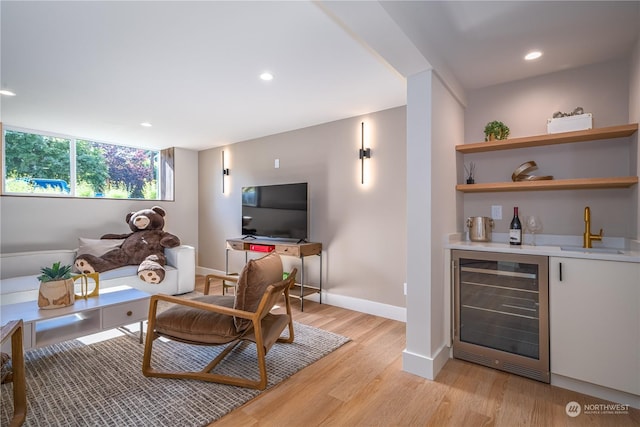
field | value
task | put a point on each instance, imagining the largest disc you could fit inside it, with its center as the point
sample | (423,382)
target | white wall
(362,227)
(601,89)
(38,223)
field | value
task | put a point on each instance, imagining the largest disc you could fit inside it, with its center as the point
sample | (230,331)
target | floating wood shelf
(550,139)
(610,132)
(557,184)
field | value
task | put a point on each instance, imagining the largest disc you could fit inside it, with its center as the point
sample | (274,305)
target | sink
(592,250)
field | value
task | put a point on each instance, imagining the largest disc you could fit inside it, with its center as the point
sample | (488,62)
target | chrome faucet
(587,236)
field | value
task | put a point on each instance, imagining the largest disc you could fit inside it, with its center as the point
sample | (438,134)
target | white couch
(19,272)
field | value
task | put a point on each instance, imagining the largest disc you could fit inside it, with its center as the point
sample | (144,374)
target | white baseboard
(442,357)
(365,306)
(204,271)
(424,366)
(356,304)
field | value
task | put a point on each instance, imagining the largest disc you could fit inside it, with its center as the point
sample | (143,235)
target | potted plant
(56,287)
(495,130)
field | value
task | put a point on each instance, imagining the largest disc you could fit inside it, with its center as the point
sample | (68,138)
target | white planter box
(570,123)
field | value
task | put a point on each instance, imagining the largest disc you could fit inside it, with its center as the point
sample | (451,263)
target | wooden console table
(282,248)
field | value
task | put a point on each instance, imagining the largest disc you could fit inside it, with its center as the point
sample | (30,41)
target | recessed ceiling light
(7,92)
(534,54)
(145,124)
(266,76)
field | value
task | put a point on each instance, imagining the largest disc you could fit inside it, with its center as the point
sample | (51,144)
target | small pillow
(97,247)
(254,278)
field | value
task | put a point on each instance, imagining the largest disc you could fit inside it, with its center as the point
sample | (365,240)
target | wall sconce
(225,171)
(365,153)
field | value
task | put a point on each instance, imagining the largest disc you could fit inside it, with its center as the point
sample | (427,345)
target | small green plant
(55,272)
(498,129)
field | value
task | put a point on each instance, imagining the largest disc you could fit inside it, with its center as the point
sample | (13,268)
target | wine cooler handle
(452,318)
(560,270)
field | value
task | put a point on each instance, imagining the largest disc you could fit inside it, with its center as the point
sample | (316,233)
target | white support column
(417,355)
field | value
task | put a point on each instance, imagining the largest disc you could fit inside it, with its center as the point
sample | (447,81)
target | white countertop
(629,252)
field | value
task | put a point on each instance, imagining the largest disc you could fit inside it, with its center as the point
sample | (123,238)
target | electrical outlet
(496,212)
(276,164)
(405,288)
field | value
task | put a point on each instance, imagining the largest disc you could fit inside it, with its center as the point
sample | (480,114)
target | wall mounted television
(276,211)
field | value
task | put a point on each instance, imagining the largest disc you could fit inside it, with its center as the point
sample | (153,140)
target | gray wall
(601,89)
(634,117)
(39,223)
(362,227)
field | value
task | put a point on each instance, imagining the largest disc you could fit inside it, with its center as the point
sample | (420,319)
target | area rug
(73,384)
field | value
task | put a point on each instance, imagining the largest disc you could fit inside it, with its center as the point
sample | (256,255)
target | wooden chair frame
(14,329)
(255,333)
(224,277)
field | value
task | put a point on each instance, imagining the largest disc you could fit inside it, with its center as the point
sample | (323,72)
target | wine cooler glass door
(502,311)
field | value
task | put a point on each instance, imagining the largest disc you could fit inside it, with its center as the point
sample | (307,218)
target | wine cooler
(502,311)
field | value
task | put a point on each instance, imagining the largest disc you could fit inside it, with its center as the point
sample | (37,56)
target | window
(52,165)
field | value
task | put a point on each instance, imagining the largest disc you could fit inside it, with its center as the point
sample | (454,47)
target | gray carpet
(72,384)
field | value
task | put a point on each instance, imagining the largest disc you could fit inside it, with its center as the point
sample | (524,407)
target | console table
(112,308)
(282,248)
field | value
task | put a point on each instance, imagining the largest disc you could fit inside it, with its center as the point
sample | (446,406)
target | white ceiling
(483,42)
(97,69)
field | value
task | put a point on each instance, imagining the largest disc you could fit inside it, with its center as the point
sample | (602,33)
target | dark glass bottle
(515,229)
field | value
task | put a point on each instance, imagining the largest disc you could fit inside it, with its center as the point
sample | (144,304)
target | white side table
(112,308)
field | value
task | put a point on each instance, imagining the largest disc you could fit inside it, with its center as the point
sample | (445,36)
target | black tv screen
(277,211)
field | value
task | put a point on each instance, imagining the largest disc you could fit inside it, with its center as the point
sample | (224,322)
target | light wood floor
(363,384)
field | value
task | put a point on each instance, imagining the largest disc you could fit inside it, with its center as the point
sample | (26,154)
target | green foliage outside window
(118,191)
(102,170)
(130,166)
(24,186)
(91,165)
(150,190)
(84,189)
(29,155)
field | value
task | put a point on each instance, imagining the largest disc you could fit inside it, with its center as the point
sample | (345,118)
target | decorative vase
(86,288)
(56,294)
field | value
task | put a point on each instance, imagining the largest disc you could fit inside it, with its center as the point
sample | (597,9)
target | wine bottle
(515,229)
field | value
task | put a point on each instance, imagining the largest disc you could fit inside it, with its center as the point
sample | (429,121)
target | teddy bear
(143,247)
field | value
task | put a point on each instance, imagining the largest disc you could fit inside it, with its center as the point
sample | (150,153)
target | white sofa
(19,272)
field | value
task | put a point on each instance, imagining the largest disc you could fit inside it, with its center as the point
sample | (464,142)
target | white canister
(480,228)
